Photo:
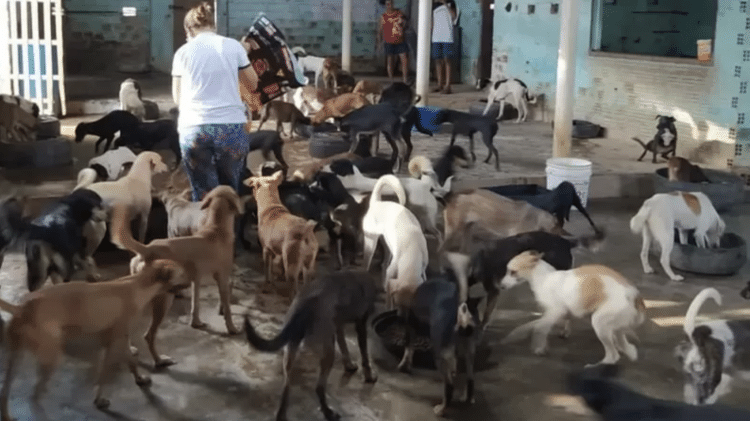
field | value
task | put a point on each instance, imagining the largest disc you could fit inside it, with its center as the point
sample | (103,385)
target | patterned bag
(273,62)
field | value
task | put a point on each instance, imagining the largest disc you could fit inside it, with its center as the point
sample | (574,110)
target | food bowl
(391,331)
(725,189)
(725,260)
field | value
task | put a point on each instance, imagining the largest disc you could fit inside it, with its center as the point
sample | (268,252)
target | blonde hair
(200,16)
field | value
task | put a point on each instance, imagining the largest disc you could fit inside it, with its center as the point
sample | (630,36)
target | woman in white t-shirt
(206,75)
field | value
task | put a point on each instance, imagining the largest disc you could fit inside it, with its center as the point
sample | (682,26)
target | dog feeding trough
(391,331)
(725,260)
(724,189)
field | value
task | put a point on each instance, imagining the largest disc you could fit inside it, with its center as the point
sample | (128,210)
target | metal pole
(566,78)
(346,36)
(424,37)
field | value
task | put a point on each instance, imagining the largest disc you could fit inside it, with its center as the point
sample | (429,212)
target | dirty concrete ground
(221,378)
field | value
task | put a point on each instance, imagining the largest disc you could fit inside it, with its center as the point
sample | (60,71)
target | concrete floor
(221,378)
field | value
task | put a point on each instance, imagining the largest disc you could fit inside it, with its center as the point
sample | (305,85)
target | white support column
(346,36)
(424,38)
(566,78)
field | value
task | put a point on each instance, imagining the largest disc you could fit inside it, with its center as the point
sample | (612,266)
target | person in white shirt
(206,75)
(443,19)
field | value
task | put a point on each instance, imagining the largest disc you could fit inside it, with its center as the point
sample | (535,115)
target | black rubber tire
(478,108)
(48,127)
(323,145)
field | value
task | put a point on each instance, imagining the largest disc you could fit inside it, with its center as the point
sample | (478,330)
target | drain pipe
(424,37)
(346,36)
(566,79)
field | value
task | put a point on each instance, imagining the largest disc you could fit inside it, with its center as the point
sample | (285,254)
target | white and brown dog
(714,352)
(615,305)
(663,212)
(322,66)
(130,98)
(510,90)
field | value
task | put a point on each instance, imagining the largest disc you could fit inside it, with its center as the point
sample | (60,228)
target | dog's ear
(237,204)
(658,117)
(206,202)
(277,177)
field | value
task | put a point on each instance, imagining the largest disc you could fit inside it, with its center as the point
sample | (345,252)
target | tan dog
(615,305)
(133,190)
(49,317)
(282,112)
(505,217)
(331,69)
(283,234)
(680,169)
(369,87)
(339,107)
(208,253)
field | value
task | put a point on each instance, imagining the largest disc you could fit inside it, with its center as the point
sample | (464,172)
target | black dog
(467,124)
(745,293)
(106,128)
(664,141)
(148,136)
(54,241)
(372,119)
(372,166)
(478,255)
(268,141)
(11,220)
(614,402)
(444,167)
(400,96)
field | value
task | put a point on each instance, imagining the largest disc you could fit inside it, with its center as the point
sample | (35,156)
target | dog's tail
(420,165)
(590,242)
(640,141)
(122,236)
(86,177)
(564,190)
(393,183)
(293,331)
(695,306)
(639,220)
(531,99)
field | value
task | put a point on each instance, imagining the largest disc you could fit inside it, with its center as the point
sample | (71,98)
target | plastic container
(575,170)
(704,50)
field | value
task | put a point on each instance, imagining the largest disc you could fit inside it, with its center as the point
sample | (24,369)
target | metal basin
(725,260)
(725,189)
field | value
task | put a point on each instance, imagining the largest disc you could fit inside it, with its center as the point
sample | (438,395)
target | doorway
(485,48)
(167,32)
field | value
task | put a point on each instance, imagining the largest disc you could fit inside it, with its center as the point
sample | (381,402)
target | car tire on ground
(48,127)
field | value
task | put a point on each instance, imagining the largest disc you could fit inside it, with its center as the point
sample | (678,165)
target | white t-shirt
(208,66)
(442,24)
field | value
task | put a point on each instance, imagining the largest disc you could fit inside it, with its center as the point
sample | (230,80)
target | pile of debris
(28,139)
(18,119)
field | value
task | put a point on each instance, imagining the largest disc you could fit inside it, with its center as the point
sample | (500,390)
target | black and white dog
(664,141)
(509,90)
(715,351)
(615,402)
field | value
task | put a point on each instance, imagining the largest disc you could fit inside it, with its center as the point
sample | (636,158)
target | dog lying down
(614,402)
(48,318)
(317,317)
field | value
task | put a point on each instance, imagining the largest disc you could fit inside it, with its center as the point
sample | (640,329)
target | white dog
(320,65)
(130,98)
(663,212)
(514,91)
(615,305)
(406,245)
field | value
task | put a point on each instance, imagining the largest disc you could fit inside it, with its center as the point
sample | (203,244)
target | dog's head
(665,121)
(166,273)
(225,194)
(745,293)
(155,163)
(702,361)
(460,158)
(419,166)
(269,168)
(80,132)
(520,268)
(260,182)
(83,204)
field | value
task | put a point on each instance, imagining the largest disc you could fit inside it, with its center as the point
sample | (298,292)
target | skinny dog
(510,89)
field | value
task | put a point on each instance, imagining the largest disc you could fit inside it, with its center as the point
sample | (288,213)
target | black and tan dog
(664,141)
(317,317)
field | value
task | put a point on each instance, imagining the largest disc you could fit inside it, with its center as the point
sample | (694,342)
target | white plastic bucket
(576,171)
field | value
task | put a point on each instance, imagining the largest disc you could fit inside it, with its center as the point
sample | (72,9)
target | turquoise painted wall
(609,87)
(471,33)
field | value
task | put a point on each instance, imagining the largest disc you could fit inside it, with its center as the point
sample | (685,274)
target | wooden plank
(59,44)
(14,60)
(37,55)
(48,65)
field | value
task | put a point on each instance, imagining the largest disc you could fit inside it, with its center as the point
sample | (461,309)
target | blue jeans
(213,155)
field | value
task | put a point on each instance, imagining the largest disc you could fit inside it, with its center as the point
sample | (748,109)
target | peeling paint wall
(624,94)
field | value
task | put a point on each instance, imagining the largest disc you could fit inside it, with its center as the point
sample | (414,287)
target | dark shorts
(396,49)
(442,50)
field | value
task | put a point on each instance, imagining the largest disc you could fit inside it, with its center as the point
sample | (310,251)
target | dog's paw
(369,376)
(164,361)
(143,380)
(101,403)
(404,367)
(439,410)
(331,415)
(133,351)
(233,330)
(350,367)
(540,350)
(197,324)
(648,270)
(678,278)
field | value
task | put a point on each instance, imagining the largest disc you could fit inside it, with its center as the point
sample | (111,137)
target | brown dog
(283,234)
(282,112)
(339,107)
(680,169)
(369,87)
(208,253)
(49,317)
(331,69)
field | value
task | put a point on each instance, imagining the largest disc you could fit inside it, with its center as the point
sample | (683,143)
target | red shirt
(393,27)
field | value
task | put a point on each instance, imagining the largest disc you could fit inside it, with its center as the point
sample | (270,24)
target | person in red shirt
(391,30)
